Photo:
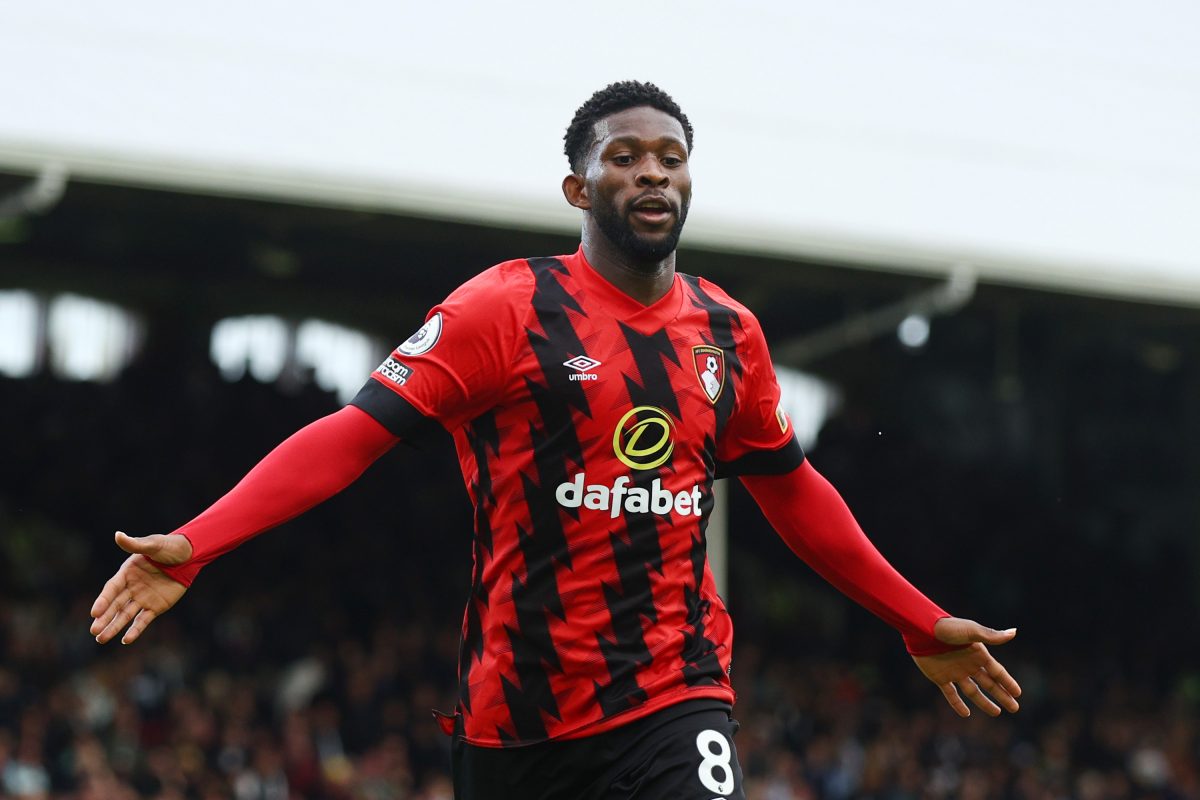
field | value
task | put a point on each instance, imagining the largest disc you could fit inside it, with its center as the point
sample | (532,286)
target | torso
(591,470)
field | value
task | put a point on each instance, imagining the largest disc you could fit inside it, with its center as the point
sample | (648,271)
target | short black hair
(609,100)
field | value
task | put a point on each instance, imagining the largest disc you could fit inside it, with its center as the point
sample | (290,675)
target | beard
(641,250)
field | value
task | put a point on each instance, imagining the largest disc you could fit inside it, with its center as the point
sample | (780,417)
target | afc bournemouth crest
(710,369)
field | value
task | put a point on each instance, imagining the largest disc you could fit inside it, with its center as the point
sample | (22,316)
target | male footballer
(593,398)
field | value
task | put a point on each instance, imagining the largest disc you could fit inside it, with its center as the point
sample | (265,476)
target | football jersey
(589,429)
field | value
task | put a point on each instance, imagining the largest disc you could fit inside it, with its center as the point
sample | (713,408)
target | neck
(644,281)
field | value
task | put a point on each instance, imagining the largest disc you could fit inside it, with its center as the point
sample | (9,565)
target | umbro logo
(583,367)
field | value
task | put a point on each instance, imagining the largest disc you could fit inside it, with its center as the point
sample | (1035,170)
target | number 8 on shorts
(716,773)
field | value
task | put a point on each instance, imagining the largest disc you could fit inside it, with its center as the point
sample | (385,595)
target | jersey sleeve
(454,367)
(812,518)
(309,467)
(759,439)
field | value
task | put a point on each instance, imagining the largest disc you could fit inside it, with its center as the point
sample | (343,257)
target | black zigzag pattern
(722,320)
(636,550)
(701,666)
(554,444)
(484,439)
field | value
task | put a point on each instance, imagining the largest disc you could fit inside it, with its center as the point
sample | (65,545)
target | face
(636,182)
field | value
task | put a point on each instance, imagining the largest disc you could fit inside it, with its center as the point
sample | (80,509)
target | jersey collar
(623,307)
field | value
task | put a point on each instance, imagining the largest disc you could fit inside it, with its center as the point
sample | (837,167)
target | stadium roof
(1051,146)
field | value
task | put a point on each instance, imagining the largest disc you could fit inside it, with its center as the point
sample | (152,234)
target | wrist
(921,645)
(183,567)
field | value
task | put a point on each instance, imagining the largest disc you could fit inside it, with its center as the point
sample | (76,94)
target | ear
(575,190)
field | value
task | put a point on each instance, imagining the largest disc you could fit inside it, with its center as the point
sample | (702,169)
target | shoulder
(502,296)
(509,282)
(714,299)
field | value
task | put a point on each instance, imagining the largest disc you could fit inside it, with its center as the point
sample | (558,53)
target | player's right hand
(971,670)
(139,591)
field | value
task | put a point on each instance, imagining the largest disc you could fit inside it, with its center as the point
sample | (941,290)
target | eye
(623,159)
(672,161)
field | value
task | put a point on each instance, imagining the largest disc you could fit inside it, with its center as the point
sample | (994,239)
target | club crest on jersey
(710,369)
(424,339)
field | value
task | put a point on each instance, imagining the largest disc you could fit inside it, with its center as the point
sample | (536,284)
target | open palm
(971,670)
(139,591)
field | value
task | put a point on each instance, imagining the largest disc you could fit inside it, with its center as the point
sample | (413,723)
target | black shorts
(684,752)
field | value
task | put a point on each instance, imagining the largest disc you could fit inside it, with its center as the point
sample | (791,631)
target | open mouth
(653,210)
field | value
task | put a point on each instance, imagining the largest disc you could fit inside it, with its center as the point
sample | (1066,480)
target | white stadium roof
(1050,144)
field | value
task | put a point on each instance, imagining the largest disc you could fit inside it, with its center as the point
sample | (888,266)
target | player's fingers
(101,603)
(112,587)
(140,622)
(991,635)
(140,545)
(164,549)
(1000,675)
(956,702)
(997,692)
(106,617)
(956,630)
(110,628)
(119,621)
(114,595)
(976,696)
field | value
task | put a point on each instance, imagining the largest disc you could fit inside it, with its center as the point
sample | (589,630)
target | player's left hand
(971,670)
(139,592)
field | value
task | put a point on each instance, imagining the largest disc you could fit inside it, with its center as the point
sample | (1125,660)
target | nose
(652,173)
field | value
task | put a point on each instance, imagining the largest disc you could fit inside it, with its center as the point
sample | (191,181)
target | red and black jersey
(589,429)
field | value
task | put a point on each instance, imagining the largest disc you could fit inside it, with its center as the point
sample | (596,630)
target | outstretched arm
(312,465)
(811,517)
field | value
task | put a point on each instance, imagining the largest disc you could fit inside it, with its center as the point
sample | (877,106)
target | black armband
(764,462)
(398,415)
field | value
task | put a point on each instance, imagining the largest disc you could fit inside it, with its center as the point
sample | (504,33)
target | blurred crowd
(308,664)
(180,716)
